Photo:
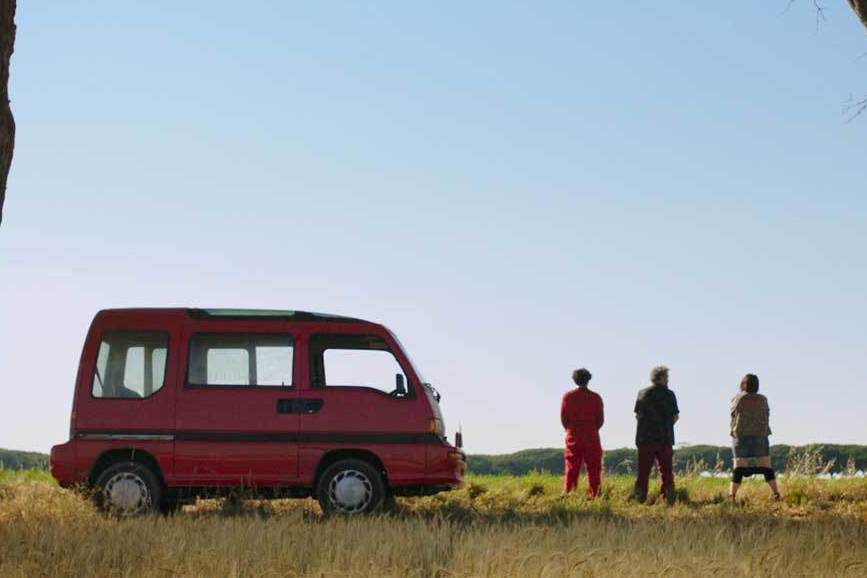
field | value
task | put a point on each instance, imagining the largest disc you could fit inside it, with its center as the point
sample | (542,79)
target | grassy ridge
(494,526)
(834,458)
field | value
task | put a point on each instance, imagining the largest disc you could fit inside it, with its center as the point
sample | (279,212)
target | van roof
(284,314)
(245,314)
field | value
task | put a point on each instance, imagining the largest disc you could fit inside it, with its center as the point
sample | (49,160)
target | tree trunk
(7,122)
(860,8)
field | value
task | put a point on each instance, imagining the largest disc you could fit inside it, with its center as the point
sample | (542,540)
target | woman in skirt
(750,431)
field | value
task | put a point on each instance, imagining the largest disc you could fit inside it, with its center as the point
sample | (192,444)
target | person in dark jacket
(581,414)
(750,430)
(656,411)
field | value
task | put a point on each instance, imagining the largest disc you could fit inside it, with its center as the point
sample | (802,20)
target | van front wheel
(350,487)
(128,489)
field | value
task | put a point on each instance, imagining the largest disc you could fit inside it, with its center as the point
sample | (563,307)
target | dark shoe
(669,496)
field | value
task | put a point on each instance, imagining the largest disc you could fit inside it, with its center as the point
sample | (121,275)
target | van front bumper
(446,466)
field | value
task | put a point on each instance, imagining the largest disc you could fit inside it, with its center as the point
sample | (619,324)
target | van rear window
(240,359)
(130,364)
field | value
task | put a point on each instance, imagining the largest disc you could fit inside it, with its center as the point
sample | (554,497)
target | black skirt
(751,451)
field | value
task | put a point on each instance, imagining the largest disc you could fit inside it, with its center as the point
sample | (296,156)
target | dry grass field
(495,526)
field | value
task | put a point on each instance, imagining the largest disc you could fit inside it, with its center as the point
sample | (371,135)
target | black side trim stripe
(126,436)
(371,438)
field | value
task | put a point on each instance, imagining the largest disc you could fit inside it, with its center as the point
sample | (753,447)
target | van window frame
(165,369)
(411,390)
(222,386)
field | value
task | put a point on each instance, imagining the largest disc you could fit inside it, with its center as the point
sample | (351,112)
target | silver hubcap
(350,492)
(126,493)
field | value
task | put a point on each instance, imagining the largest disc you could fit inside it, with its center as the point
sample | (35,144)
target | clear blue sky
(516,189)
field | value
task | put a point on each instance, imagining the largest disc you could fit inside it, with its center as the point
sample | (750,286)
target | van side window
(130,364)
(240,359)
(356,361)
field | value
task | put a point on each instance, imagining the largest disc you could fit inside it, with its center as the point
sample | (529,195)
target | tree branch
(855,108)
(860,9)
(820,13)
(7,121)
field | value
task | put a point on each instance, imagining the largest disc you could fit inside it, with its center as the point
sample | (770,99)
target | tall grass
(494,526)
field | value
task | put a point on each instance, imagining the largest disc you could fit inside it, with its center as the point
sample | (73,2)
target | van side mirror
(459,439)
(399,384)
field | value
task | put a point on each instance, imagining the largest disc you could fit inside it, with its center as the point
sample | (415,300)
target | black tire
(350,487)
(128,489)
(389,504)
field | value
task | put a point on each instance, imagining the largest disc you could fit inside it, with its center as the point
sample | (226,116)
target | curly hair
(657,372)
(581,377)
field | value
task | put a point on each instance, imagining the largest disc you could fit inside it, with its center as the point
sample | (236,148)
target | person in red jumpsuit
(582,416)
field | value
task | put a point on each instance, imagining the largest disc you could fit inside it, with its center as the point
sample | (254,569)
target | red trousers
(591,457)
(647,455)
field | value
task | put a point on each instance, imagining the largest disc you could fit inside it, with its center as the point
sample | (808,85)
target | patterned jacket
(750,415)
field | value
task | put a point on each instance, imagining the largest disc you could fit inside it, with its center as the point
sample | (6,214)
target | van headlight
(436,426)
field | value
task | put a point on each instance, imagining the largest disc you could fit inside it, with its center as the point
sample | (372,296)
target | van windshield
(406,355)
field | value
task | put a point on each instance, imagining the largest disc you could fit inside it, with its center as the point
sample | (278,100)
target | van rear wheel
(350,487)
(128,489)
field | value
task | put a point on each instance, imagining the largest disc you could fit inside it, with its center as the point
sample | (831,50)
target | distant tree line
(15,460)
(833,458)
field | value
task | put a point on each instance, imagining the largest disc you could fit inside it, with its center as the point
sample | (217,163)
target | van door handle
(302,406)
(313,405)
(290,406)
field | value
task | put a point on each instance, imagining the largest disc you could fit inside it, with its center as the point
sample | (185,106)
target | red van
(171,404)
